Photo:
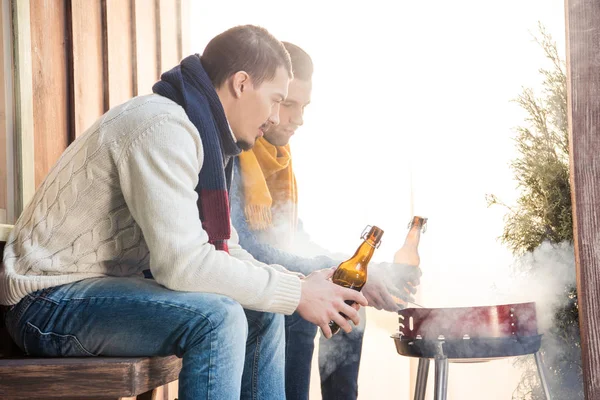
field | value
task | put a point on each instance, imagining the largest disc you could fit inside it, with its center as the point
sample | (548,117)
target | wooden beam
(23,86)
(583,82)
(169,34)
(119,56)
(146,45)
(88,64)
(8,215)
(184,28)
(5,112)
(4,232)
(52,118)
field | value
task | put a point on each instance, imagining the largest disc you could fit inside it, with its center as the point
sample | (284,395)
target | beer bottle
(352,273)
(409,252)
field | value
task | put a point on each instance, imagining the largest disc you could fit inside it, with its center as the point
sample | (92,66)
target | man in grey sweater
(146,188)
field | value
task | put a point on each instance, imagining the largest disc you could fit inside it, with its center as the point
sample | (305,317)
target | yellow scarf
(269,186)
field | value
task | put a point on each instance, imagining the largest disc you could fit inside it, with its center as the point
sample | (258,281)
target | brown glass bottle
(352,273)
(408,254)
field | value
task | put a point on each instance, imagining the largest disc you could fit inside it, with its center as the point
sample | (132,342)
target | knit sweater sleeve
(158,173)
(265,252)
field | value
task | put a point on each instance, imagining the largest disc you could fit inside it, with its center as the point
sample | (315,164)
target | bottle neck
(364,252)
(413,236)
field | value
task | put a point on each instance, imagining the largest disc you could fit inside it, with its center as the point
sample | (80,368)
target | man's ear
(240,82)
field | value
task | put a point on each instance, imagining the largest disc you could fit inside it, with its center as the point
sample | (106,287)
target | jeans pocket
(50,344)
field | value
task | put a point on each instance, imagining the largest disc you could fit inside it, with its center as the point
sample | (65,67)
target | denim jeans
(299,347)
(228,352)
(339,360)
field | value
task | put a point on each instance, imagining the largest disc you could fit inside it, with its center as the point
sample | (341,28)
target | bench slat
(89,377)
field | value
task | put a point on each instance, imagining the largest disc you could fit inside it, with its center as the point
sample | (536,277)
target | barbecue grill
(466,334)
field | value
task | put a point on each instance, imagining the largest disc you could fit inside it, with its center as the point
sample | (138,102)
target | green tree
(543,214)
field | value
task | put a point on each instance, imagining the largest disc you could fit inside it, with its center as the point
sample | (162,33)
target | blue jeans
(228,352)
(339,360)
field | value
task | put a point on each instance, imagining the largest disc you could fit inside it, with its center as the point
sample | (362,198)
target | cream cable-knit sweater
(120,200)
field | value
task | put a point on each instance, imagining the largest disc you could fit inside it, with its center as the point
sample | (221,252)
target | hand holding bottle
(377,293)
(322,301)
(400,280)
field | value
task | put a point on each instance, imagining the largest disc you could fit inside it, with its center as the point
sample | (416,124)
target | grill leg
(441,378)
(422,372)
(540,368)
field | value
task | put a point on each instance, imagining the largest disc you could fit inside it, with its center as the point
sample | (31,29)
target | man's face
(257,108)
(291,112)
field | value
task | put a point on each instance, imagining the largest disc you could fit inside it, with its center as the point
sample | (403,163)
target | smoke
(547,276)
(542,276)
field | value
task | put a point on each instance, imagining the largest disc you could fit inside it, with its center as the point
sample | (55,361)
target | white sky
(399,86)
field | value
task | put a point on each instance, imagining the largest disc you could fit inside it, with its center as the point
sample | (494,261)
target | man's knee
(228,315)
(217,314)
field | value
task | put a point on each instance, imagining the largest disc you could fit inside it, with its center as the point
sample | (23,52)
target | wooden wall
(65,64)
(95,54)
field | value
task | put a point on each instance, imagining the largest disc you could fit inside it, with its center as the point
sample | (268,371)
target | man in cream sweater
(146,187)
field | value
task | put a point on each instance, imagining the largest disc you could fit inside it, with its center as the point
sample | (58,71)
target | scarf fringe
(258,217)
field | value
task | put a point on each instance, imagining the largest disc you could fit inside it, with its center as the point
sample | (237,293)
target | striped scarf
(189,86)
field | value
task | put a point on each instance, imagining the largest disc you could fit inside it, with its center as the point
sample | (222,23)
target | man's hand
(323,301)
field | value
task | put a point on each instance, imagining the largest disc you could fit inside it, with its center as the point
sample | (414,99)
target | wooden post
(119,50)
(4,232)
(23,103)
(583,81)
(146,45)
(51,66)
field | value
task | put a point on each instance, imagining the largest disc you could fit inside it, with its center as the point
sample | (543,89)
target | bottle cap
(418,221)
(374,235)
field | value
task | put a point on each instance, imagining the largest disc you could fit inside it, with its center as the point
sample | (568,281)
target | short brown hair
(245,48)
(302,65)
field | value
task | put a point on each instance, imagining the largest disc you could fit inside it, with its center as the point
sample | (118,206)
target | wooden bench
(97,378)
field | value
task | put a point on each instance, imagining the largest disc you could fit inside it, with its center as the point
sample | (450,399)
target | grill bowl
(473,349)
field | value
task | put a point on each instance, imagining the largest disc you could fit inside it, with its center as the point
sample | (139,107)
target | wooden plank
(3,124)
(51,113)
(23,93)
(8,215)
(146,45)
(88,53)
(86,378)
(119,57)
(184,28)
(4,232)
(583,80)
(169,34)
